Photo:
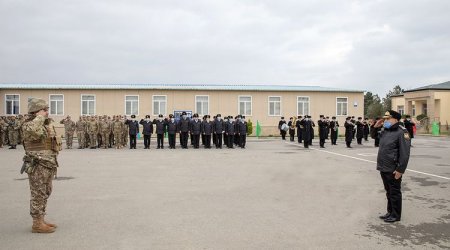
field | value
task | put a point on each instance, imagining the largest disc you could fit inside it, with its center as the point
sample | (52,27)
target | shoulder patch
(406,135)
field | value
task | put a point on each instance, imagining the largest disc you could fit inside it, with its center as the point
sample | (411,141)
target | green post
(435,129)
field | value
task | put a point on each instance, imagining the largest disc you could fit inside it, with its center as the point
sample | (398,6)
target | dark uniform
(366,129)
(230,130)
(334,125)
(306,124)
(359,131)
(299,129)
(196,129)
(183,129)
(291,126)
(323,127)
(172,128)
(147,130)
(280,127)
(161,128)
(242,131)
(409,125)
(133,130)
(207,130)
(349,128)
(218,130)
(393,157)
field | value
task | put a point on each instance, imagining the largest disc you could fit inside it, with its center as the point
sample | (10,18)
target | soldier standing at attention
(2,131)
(366,129)
(183,127)
(13,132)
(218,130)
(349,126)
(147,130)
(291,126)
(172,131)
(125,131)
(359,131)
(392,160)
(93,132)
(40,161)
(69,129)
(117,128)
(86,132)
(306,124)
(299,129)
(80,126)
(133,130)
(161,125)
(334,124)
(105,130)
(242,130)
(207,129)
(323,127)
(196,129)
(230,130)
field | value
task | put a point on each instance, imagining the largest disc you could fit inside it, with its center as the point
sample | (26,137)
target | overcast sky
(368,45)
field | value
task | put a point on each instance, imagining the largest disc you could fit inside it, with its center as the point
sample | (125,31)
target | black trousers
(242,140)
(192,139)
(203,139)
(196,140)
(230,141)
(207,141)
(348,143)
(214,139)
(184,136)
(218,140)
(172,140)
(299,136)
(306,143)
(393,194)
(225,139)
(283,134)
(322,142)
(377,141)
(291,135)
(333,137)
(132,141)
(147,141)
(160,140)
(359,140)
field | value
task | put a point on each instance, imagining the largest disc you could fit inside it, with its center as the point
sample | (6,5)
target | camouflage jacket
(69,125)
(80,126)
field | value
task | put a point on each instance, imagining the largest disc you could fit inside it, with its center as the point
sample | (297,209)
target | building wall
(397,102)
(443,106)
(111,102)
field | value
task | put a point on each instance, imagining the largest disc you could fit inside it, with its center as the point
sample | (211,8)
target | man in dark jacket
(242,131)
(349,128)
(230,130)
(207,130)
(196,129)
(334,125)
(409,125)
(375,129)
(281,128)
(359,131)
(172,128)
(147,130)
(183,129)
(218,130)
(366,129)
(133,130)
(306,124)
(392,160)
(160,127)
(323,127)
(291,126)
(299,129)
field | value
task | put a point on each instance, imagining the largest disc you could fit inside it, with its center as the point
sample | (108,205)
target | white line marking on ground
(367,154)
(360,159)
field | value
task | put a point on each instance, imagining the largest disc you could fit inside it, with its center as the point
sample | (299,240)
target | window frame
(153,105)
(6,110)
(195,100)
(268,106)
(309,105)
(95,104)
(125,99)
(50,104)
(245,107)
(346,113)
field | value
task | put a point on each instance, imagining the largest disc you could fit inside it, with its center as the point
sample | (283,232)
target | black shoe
(322,147)
(391,219)
(383,217)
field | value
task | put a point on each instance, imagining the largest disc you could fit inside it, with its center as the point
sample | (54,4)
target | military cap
(282,117)
(320,116)
(208,116)
(393,114)
(36,104)
(299,117)
(359,118)
(160,115)
(334,117)
(133,116)
(218,115)
(170,116)
(243,116)
(184,113)
(408,116)
(147,116)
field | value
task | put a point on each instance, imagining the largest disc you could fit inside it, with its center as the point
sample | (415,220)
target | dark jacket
(307,129)
(349,131)
(230,128)
(409,126)
(291,128)
(172,127)
(160,126)
(393,153)
(195,127)
(323,127)
(242,128)
(207,127)
(183,125)
(359,130)
(147,127)
(218,126)
(133,127)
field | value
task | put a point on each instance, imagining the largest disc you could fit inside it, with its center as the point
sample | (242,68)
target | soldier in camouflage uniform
(13,132)
(86,132)
(124,131)
(111,132)
(118,130)
(69,129)
(20,121)
(93,132)
(41,146)
(80,127)
(105,130)
(2,131)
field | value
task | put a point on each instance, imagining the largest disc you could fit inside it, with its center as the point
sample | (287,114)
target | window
(88,104)
(245,105)
(424,109)
(12,104)
(274,105)
(159,104)
(56,104)
(202,104)
(302,105)
(401,110)
(132,105)
(342,106)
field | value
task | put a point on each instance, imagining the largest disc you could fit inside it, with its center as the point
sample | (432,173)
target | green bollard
(435,129)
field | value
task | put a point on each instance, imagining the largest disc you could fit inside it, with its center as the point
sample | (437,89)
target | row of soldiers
(10,132)
(104,132)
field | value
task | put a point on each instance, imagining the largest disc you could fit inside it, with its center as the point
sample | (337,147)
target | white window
(245,105)
(202,104)
(302,105)
(401,110)
(159,104)
(341,106)
(88,104)
(274,105)
(12,104)
(132,105)
(56,104)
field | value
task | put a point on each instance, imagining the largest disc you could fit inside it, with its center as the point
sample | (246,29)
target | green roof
(438,86)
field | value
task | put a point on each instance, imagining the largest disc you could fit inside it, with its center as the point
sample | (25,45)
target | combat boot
(40,227)
(49,224)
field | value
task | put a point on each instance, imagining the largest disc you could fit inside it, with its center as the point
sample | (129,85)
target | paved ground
(273,195)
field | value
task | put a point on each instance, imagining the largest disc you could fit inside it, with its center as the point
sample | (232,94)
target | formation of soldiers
(328,128)
(10,132)
(108,132)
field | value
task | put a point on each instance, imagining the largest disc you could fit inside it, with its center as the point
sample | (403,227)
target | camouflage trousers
(69,139)
(118,139)
(105,139)
(92,140)
(81,139)
(41,188)
(13,137)
(1,138)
